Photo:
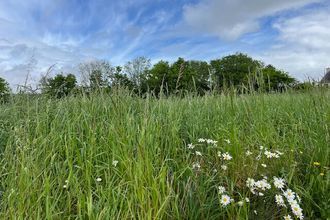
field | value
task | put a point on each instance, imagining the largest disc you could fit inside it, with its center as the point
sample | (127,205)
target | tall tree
(137,69)
(276,79)
(58,86)
(234,69)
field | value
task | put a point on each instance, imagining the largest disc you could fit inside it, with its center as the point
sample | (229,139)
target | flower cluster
(258,187)
(208,141)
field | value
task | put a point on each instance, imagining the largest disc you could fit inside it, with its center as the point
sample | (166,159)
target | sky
(293,35)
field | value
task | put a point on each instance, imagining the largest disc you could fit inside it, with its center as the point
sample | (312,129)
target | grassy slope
(44,143)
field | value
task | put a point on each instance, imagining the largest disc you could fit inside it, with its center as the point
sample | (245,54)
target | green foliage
(276,79)
(55,151)
(4,91)
(234,70)
(58,86)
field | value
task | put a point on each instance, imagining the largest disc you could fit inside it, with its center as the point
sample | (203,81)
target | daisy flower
(279,182)
(226,156)
(225,200)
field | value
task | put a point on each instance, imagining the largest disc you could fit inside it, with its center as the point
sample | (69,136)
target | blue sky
(293,35)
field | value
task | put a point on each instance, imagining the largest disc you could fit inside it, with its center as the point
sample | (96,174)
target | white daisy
(201,140)
(279,200)
(289,195)
(221,189)
(225,200)
(226,156)
(191,146)
(98,179)
(279,182)
(287,217)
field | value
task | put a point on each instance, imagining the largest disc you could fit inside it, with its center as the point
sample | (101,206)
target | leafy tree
(276,79)
(4,90)
(58,86)
(234,69)
(120,79)
(157,77)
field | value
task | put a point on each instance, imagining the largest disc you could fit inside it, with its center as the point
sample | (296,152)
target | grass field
(122,157)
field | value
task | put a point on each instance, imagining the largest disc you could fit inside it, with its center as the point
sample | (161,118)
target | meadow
(118,156)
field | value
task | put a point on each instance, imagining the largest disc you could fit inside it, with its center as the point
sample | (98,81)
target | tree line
(238,71)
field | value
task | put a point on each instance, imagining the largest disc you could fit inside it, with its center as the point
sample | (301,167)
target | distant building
(326,78)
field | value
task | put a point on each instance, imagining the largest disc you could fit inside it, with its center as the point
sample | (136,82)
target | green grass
(44,142)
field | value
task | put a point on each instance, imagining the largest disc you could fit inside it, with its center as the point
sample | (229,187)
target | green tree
(157,77)
(234,69)
(4,91)
(58,86)
(276,79)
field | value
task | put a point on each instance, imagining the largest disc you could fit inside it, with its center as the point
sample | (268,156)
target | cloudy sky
(293,35)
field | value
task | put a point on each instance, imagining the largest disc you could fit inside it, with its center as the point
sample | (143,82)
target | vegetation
(4,91)
(119,156)
(181,77)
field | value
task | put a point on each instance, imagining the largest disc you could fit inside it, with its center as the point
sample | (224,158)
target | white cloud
(303,45)
(230,19)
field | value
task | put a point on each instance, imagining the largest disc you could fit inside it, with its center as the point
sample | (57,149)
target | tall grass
(57,156)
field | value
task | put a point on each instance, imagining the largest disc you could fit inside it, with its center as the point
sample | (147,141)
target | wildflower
(247,199)
(196,166)
(66,181)
(98,179)
(209,141)
(201,140)
(297,211)
(279,200)
(316,163)
(263,165)
(221,189)
(321,174)
(198,153)
(115,162)
(224,167)
(226,156)
(262,184)
(240,203)
(248,153)
(287,217)
(227,141)
(261,147)
(271,155)
(279,182)
(250,182)
(191,146)
(261,194)
(219,153)
(289,195)
(65,186)
(225,200)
